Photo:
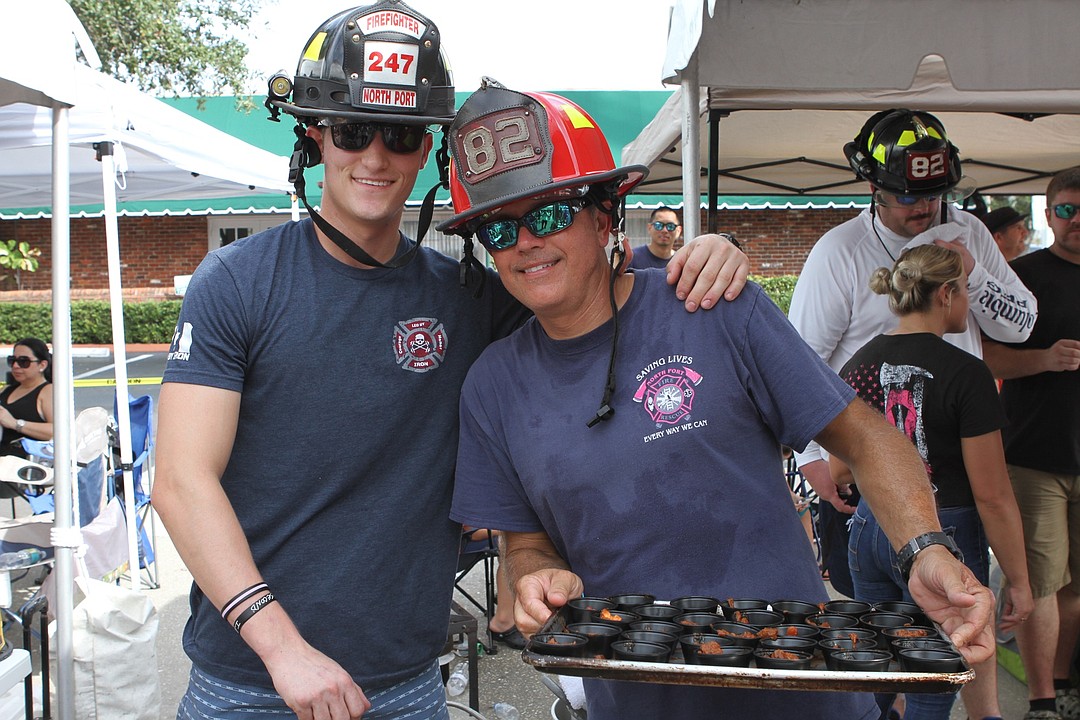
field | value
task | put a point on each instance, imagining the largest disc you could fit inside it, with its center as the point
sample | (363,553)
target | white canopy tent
(790,81)
(159,151)
(53,110)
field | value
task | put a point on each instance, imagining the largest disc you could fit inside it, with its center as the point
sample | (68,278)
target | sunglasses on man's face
(541,222)
(22,361)
(401,139)
(658,226)
(907,200)
(1066,211)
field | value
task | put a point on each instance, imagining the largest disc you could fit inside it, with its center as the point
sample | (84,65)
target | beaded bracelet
(252,609)
(241,597)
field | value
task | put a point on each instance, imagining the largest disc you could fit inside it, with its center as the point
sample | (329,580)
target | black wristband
(905,556)
(239,598)
(251,609)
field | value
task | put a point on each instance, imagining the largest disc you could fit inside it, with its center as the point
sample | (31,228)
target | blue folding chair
(141,413)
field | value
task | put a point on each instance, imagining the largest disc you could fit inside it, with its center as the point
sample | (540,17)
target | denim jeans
(876,577)
(208,698)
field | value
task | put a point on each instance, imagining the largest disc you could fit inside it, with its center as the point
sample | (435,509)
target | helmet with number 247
(507,146)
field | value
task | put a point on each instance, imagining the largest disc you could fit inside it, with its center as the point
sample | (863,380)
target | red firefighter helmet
(506,146)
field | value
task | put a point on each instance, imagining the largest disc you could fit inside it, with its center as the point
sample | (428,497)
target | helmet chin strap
(618,254)
(350,248)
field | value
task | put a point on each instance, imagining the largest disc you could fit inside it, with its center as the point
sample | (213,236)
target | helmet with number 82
(507,146)
(905,152)
(381,62)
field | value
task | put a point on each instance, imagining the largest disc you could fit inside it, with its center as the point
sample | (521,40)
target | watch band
(905,556)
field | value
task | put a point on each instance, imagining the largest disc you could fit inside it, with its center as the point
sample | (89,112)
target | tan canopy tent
(788,82)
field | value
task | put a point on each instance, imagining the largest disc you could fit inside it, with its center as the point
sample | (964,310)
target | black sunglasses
(658,226)
(541,222)
(1066,211)
(22,361)
(401,139)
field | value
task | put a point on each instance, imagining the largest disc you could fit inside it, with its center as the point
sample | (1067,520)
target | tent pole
(116,307)
(714,168)
(691,134)
(63,410)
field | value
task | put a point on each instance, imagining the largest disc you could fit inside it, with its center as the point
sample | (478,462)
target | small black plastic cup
(659,612)
(629,601)
(772,659)
(563,644)
(860,660)
(699,622)
(599,636)
(585,609)
(795,611)
(931,661)
(640,651)
(696,603)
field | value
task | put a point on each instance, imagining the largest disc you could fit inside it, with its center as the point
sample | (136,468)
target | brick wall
(154,249)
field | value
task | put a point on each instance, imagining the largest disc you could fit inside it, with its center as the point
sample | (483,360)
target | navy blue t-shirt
(643,259)
(342,467)
(682,492)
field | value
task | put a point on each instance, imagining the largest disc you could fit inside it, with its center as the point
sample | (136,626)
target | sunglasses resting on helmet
(658,226)
(1066,211)
(541,222)
(401,139)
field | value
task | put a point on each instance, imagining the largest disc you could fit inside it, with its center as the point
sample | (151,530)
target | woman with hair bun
(945,400)
(26,401)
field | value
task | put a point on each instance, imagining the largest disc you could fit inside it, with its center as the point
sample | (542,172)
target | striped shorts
(208,698)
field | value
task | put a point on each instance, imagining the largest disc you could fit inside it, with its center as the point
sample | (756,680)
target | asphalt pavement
(503,677)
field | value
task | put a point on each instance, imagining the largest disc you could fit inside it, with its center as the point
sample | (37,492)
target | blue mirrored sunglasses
(1066,211)
(909,200)
(541,222)
(658,226)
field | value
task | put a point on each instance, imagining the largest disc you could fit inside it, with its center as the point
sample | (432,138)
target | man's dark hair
(665,208)
(1068,179)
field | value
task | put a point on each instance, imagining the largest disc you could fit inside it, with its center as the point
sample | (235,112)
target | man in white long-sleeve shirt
(913,171)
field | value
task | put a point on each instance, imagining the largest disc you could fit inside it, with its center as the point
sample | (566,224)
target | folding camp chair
(141,414)
(479,547)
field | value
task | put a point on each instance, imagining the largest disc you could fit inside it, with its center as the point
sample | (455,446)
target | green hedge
(778,288)
(91,323)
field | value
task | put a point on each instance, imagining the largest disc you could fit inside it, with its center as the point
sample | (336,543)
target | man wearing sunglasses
(664,231)
(625,448)
(1041,394)
(308,415)
(914,175)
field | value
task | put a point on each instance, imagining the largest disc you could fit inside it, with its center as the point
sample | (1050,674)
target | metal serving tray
(677,673)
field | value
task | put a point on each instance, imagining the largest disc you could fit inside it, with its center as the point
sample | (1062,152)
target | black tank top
(25,408)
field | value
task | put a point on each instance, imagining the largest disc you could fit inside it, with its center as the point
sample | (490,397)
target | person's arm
(984,461)
(32,428)
(541,579)
(705,269)
(1009,363)
(196,428)
(892,478)
(1001,304)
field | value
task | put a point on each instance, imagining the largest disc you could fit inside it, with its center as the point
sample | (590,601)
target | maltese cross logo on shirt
(668,395)
(419,344)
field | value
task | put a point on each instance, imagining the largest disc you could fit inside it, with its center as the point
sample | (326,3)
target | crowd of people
(574,400)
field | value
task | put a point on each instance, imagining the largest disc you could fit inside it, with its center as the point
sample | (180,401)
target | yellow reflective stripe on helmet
(314,49)
(906,138)
(879,154)
(577,118)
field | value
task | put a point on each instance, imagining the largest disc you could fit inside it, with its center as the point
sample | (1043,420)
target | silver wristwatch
(20,424)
